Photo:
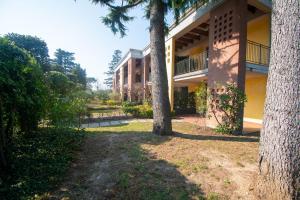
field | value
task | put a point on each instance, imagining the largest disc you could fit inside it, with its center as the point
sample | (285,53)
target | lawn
(95,109)
(128,162)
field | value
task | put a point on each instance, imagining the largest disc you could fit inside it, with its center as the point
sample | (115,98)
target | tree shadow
(228,138)
(115,165)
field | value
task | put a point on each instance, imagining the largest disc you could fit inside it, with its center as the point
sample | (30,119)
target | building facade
(217,42)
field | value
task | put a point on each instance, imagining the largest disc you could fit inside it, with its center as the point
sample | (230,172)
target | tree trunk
(279,158)
(161,105)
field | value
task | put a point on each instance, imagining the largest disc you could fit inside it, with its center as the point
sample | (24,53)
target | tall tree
(111,68)
(80,75)
(155,12)
(35,46)
(65,60)
(279,158)
(21,97)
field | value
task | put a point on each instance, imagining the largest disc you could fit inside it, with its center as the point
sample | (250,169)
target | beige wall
(258,30)
(170,60)
(256,93)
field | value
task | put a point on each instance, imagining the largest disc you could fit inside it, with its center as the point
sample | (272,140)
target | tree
(65,60)
(155,12)
(279,157)
(21,97)
(34,45)
(90,81)
(111,68)
(80,75)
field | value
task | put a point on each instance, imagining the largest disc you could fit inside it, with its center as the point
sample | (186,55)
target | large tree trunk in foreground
(161,105)
(279,159)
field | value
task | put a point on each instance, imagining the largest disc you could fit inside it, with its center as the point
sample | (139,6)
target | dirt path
(94,174)
(144,166)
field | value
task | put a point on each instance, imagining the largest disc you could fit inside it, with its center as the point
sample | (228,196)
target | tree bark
(161,104)
(279,158)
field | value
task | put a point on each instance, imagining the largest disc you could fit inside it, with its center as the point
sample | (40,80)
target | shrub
(112,103)
(139,111)
(145,111)
(227,105)
(39,163)
(201,98)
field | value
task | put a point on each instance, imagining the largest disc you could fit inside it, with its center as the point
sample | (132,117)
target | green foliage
(67,111)
(112,103)
(201,98)
(58,82)
(118,15)
(139,111)
(184,102)
(39,163)
(111,67)
(21,85)
(103,95)
(32,159)
(229,104)
(35,46)
(64,62)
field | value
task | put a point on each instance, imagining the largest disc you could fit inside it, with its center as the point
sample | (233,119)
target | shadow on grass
(127,170)
(228,138)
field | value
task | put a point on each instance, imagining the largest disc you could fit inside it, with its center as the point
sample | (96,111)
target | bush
(201,98)
(145,111)
(112,103)
(40,162)
(226,107)
(139,111)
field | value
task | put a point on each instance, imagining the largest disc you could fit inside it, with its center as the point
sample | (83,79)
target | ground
(128,162)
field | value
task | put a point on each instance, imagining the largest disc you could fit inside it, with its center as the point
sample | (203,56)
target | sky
(75,27)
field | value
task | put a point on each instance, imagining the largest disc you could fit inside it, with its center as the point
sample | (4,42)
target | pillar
(227,49)
(122,82)
(146,66)
(170,63)
(131,78)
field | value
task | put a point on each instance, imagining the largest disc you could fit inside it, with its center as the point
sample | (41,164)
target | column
(227,49)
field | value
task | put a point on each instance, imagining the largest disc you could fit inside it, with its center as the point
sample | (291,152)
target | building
(218,42)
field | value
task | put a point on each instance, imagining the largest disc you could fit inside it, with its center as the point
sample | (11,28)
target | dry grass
(128,162)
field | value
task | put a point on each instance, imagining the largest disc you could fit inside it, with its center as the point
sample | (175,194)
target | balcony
(257,54)
(192,64)
(257,57)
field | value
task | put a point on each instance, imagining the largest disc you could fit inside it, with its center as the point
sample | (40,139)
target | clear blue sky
(73,26)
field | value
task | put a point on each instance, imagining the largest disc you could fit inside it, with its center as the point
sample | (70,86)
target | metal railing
(192,63)
(257,53)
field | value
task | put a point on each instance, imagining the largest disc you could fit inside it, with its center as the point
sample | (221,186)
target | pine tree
(155,12)
(279,158)
(111,68)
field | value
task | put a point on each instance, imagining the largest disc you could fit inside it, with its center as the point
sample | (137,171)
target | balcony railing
(191,64)
(257,53)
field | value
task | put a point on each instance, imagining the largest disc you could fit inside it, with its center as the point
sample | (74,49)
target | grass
(184,166)
(39,163)
(129,128)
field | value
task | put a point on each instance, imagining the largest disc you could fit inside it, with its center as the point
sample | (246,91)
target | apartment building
(216,42)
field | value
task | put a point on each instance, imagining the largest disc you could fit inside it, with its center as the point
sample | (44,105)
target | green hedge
(139,111)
